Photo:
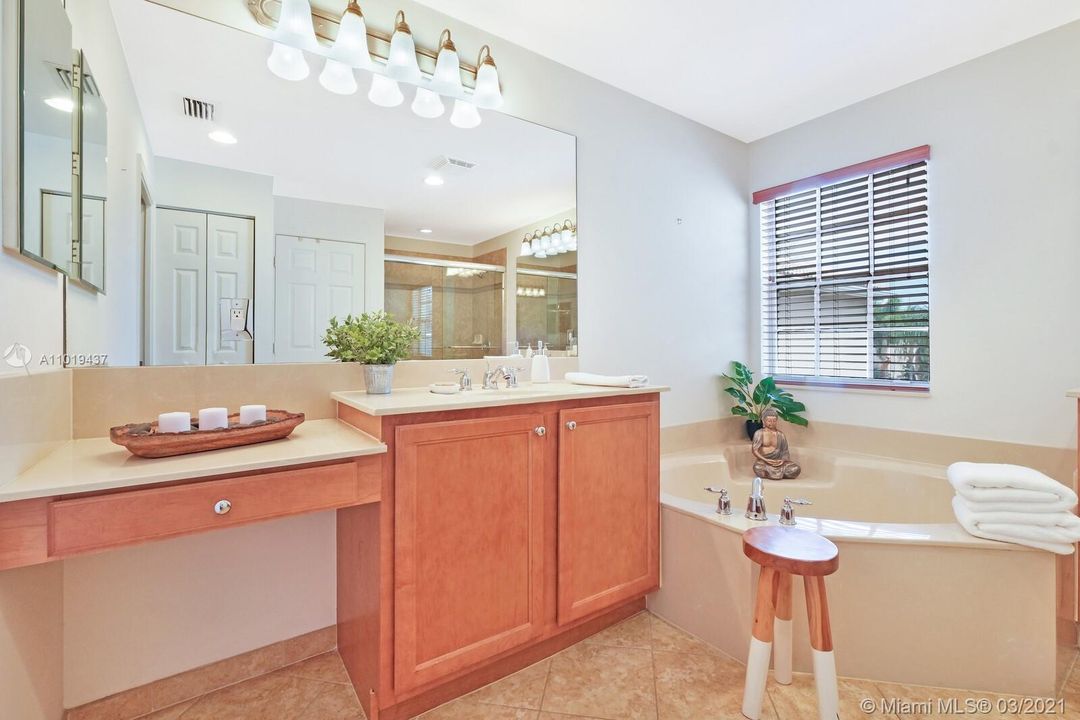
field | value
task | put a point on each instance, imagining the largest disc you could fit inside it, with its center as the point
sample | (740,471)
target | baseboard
(166,692)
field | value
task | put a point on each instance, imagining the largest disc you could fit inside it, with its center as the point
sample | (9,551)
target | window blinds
(845,277)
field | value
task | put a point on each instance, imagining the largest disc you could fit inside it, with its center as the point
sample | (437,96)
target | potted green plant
(375,340)
(751,400)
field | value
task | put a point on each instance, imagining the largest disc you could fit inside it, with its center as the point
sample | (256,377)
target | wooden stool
(782,552)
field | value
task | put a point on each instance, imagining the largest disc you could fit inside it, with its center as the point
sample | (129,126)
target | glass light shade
(294,26)
(351,47)
(401,63)
(539,254)
(487,94)
(427,104)
(526,248)
(545,241)
(288,63)
(566,234)
(384,91)
(337,77)
(465,115)
(447,77)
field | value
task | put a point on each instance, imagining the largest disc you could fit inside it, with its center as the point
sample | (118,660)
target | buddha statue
(770,449)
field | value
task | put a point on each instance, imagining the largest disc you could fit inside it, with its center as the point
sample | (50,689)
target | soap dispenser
(541,368)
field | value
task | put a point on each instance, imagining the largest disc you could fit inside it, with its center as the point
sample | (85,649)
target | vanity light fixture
(488,94)
(350,51)
(427,104)
(222,136)
(401,64)
(384,91)
(446,79)
(63,104)
(433,180)
(465,115)
(562,238)
(295,33)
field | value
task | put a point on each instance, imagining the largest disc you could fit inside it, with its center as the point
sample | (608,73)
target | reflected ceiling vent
(451,166)
(198,109)
(63,76)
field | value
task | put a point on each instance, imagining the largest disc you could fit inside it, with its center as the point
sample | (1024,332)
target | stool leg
(817,611)
(757,660)
(782,630)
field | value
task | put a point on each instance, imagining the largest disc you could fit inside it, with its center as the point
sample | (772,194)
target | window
(422,301)
(845,275)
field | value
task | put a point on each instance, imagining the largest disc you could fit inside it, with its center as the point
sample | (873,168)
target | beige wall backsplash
(106,397)
(36,417)
(1058,463)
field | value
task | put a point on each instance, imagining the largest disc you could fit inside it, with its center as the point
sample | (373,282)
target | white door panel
(315,280)
(229,262)
(179,289)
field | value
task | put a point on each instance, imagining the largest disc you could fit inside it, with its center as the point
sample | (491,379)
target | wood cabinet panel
(609,512)
(468,543)
(103,521)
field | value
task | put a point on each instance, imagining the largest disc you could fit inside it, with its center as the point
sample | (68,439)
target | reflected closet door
(179,289)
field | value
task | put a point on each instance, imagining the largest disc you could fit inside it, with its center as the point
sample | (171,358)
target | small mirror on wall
(47,107)
(93,136)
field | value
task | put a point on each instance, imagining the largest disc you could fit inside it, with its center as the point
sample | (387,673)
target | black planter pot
(752,426)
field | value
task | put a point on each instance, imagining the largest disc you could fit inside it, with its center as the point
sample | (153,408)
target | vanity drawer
(122,518)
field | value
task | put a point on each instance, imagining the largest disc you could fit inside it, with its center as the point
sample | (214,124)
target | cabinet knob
(541,431)
(571,425)
(222,507)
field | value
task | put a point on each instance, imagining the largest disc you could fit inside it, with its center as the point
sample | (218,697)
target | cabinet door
(468,552)
(609,507)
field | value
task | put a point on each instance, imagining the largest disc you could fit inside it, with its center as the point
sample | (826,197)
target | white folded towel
(1009,488)
(1057,531)
(626,381)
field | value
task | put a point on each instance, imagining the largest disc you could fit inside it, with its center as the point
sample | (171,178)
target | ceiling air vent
(447,165)
(198,109)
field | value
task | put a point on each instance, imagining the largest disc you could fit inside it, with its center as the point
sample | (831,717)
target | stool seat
(791,550)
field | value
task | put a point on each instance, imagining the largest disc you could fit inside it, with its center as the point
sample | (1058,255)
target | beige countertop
(95,464)
(416,400)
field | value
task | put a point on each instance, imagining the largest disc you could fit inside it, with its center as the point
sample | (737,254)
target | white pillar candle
(252,414)
(173,422)
(213,418)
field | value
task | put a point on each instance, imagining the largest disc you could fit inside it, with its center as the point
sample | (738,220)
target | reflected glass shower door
(547,310)
(458,306)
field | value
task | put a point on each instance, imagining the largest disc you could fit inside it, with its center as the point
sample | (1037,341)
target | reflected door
(314,281)
(179,289)
(230,246)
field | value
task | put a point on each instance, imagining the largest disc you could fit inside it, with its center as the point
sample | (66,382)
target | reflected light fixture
(401,62)
(487,95)
(384,91)
(446,80)
(61,103)
(427,104)
(538,246)
(465,115)
(222,136)
(350,51)
(434,180)
(526,247)
(294,34)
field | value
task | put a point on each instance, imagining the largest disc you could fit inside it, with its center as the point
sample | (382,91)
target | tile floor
(642,668)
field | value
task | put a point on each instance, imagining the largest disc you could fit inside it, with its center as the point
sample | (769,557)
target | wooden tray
(144,440)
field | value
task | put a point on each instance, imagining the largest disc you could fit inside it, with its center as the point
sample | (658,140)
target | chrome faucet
(507,372)
(755,505)
(723,503)
(787,512)
(464,381)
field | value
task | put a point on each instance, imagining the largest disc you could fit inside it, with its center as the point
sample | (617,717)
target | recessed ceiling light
(426,231)
(63,104)
(433,180)
(223,136)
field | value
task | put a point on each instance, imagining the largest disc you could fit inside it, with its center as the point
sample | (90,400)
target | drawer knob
(541,431)
(222,507)
(571,425)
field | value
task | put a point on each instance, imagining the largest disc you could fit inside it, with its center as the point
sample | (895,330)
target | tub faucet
(755,505)
(723,505)
(787,513)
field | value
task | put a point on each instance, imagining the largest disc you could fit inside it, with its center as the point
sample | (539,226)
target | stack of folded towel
(626,381)
(1014,504)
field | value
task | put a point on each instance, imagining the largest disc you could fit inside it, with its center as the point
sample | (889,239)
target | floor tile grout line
(547,679)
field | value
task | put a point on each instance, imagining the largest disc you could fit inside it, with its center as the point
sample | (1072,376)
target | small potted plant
(375,340)
(751,400)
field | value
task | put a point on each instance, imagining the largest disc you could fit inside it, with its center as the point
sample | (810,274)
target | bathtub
(916,599)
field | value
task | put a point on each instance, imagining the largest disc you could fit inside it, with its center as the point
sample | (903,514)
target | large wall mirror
(302,204)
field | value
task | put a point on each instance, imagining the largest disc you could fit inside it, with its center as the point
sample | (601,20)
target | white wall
(1005,238)
(31,639)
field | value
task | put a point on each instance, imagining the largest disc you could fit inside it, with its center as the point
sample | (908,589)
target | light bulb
(465,115)
(526,248)
(351,46)
(427,104)
(288,63)
(401,63)
(337,77)
(446,80)
(487,94)
(384,91)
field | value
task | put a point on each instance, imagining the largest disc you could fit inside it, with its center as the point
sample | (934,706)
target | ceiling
(340,149)
(750,68)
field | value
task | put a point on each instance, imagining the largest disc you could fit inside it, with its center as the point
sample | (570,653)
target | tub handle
(787,512)
(723,505)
